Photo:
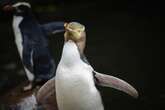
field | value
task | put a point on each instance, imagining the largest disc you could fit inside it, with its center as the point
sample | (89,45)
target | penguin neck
(70,54)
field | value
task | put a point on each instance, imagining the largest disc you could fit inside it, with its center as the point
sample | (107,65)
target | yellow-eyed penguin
(75,79)
(75,87)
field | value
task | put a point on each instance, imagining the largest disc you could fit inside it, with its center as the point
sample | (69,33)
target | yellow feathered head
(74,30)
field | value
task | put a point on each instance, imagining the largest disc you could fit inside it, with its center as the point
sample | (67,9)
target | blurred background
(123,39)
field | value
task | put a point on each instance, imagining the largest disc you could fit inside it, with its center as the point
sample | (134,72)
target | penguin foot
(34,84)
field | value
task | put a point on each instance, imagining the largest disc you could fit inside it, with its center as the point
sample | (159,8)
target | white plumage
(75,88)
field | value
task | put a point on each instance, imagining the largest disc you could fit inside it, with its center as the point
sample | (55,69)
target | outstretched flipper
(46,96)
(116,83)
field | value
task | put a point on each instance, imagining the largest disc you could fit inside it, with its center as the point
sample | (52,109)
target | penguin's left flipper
(116,83)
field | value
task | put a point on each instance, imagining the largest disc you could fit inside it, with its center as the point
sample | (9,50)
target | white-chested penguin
(32,42)
(75,87)
(75,79)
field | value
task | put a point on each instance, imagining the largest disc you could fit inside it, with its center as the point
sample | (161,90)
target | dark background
(123,39)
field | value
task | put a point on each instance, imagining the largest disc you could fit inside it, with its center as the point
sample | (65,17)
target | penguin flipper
(116,83)
(46,95)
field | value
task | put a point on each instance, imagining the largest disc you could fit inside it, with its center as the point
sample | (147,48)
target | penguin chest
(17,32)
(75,90)
(16,22)
(74,79)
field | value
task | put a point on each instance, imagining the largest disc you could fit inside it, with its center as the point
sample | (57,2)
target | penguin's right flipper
(116,83)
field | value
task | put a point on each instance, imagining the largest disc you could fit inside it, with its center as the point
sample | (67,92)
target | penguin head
(74,31)
(17,8)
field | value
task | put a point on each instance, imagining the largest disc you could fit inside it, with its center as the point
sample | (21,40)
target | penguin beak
(116,83)
(8,8)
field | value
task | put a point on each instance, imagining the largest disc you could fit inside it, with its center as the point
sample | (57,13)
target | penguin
(75,87)
(47,93)
(32,43)
(75,79)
